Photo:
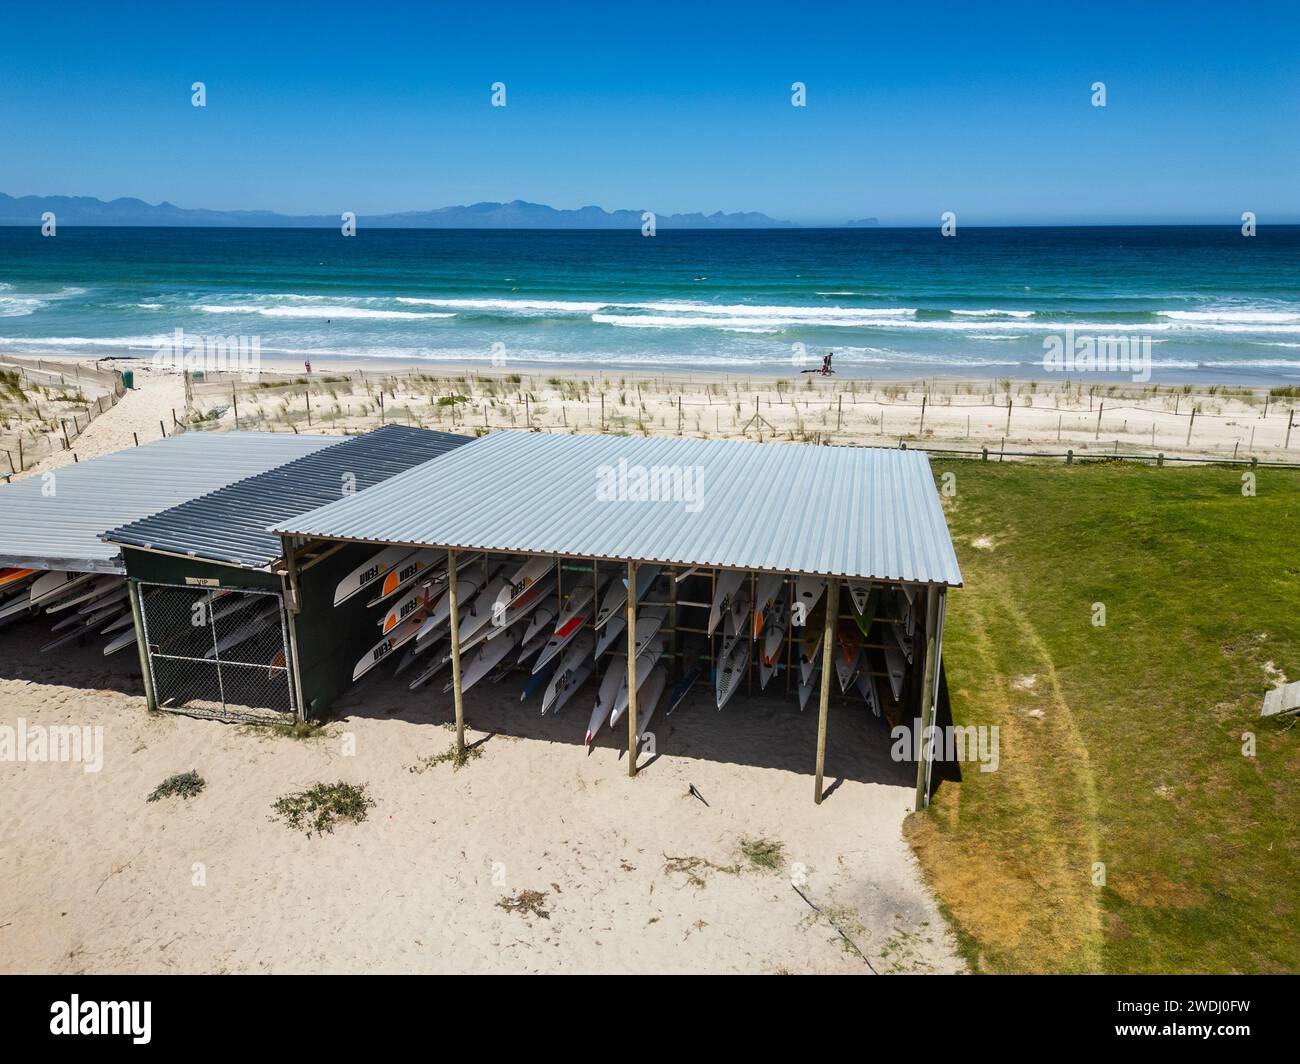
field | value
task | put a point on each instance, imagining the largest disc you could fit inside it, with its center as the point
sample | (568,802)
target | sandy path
(96,879)
(139,412)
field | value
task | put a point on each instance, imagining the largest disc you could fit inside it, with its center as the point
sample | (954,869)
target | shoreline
(1170,380)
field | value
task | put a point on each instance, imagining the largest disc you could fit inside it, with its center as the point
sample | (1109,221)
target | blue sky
(913,108)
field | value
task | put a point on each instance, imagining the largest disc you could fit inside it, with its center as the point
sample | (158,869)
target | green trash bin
(128,378)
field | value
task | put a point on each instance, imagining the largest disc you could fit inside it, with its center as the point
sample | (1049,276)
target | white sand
(95,879)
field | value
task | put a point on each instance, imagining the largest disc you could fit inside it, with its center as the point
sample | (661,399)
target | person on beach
(826,370)
(307,363)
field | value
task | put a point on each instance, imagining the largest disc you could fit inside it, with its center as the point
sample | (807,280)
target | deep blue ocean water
(890,302)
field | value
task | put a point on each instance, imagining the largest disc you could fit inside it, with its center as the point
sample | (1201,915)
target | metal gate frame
(243,713)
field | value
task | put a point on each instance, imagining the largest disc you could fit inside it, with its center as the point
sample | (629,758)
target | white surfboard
(648,695)
(576,659)
(647,661)
(577,611)
(423,563)
(727,584)
(398,637)
(490,655)
(525,576)
(55,584)
(376,567)
(615,674)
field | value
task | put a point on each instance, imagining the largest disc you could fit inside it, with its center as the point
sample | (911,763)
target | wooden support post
(455,653)
(1101,407)
(293,608)
(234,401)
(631,669)
(927,691)
(1290,422)
(1189,427)
(137,618)
(921,431)
(828,666)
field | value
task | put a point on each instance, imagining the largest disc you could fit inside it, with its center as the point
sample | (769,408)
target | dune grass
(1125,829)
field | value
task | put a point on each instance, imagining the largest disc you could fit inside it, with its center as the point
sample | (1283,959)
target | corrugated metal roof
(53,521)
(783,507)
(230,524)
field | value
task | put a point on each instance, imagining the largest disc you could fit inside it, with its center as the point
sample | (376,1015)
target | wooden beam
(828,664)
(294,608)
(137,618)
(631,669)
(455,653)
(927,693)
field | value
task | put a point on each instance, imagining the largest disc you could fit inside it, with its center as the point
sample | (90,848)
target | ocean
(1213,305)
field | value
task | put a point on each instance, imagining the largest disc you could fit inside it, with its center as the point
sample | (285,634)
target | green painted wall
(331,640)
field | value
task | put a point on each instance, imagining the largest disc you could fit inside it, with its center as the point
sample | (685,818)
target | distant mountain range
(87,210)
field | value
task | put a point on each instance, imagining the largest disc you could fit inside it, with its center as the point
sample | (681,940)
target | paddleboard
(896,666)
(648,695)
(859,590)
(683,687)
(769,586)
(644,664)
(867,686)
(528,574)
(489,656)
(610,634)
(100,586)
(124,639)
(398,637)
(726,585)
(373,568)
(808,590)
(406,572)
(255,624)
(577,612)
(418,598)
(576,661)
(849,655)
(14,576)
(615,675)
(732,663)
(55,584)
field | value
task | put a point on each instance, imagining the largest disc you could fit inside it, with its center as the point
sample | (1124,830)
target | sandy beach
(632,875)
(1002,416)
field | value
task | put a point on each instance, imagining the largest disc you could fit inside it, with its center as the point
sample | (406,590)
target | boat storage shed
(224,631)
(785,515)
(54,520)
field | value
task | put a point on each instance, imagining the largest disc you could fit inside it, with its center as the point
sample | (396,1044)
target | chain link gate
(218,652)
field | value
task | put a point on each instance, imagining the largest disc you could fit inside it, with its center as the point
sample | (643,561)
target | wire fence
(218,653)
(66,414)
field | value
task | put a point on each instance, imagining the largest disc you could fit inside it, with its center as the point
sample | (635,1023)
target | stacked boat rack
(559,622)
(80,605)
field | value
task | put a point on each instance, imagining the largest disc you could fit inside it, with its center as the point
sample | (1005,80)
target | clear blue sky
(913,108)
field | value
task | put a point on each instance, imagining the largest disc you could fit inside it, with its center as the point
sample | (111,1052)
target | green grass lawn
(1122,745)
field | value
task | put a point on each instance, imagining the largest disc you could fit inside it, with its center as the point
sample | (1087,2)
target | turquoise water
(890,302)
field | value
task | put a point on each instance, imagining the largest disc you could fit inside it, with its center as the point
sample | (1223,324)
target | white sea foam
(560,306)
(994,313)
(1247,317)
(319,312)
